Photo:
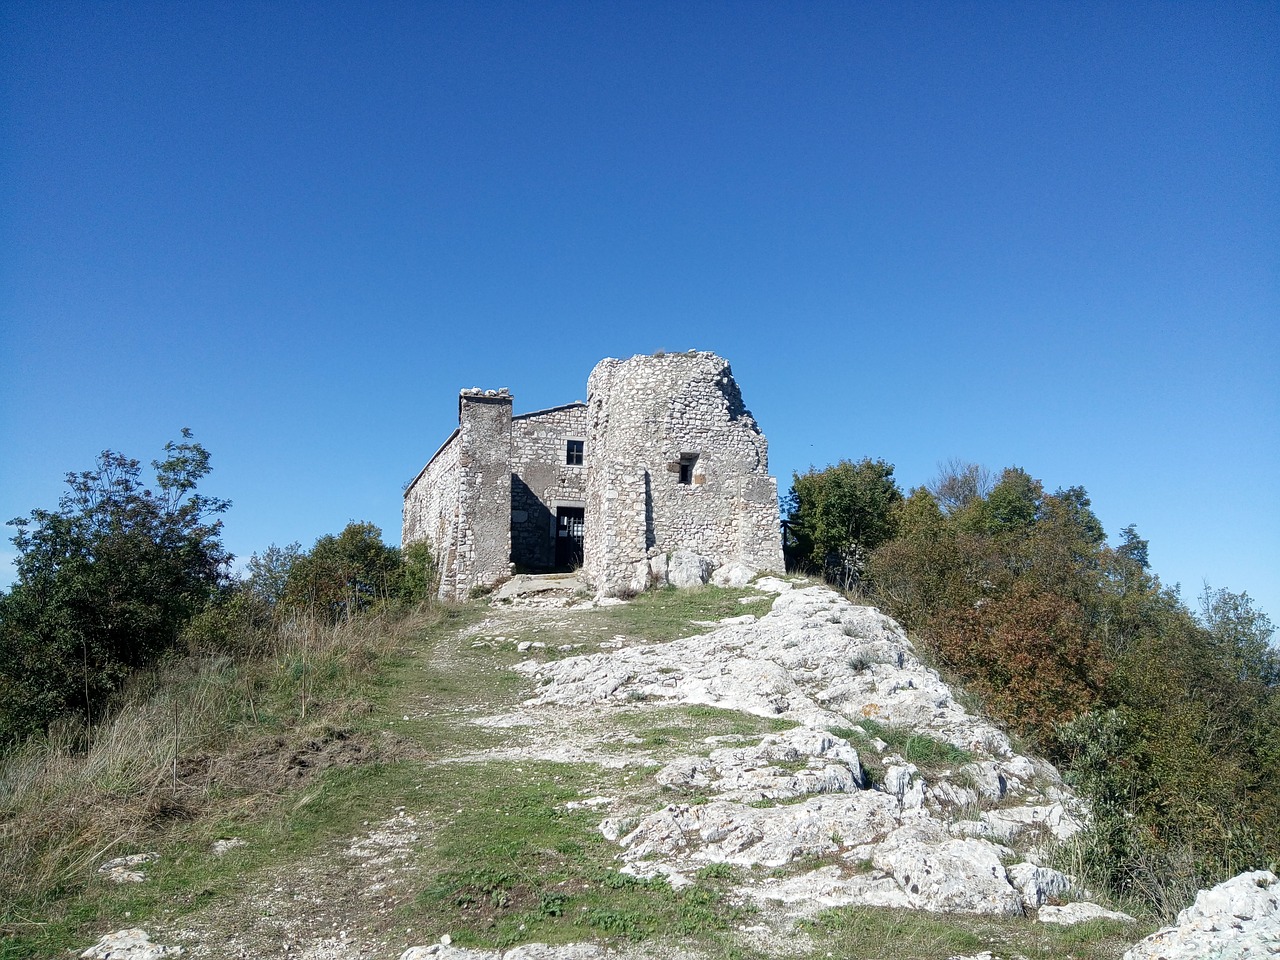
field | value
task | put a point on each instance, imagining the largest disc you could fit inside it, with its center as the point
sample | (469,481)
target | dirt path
(349,897)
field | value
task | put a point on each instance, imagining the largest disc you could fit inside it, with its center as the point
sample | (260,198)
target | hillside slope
(707,773)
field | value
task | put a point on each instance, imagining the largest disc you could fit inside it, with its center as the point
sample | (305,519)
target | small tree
(419,577)
(267,573)
(345,574)
(958,484)
(838,515)
(1010,509)
(1242,634)
(105,583)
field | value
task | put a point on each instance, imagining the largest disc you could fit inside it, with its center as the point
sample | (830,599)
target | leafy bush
(419,578)
(1164,721)
(106,583)
(1028,654)
(344,574)
(836,516)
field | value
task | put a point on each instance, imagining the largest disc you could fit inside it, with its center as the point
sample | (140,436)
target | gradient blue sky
(1043,234)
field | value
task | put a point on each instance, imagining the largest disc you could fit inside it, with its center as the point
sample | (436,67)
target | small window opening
(573,453)
(686,468)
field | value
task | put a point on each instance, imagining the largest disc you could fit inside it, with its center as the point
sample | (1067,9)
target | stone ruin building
(661,476)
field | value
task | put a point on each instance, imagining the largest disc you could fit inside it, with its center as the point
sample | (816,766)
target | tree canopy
(1163,717)
(838,515)
(106,582)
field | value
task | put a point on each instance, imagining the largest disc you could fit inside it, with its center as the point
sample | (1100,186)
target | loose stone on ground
(132,944)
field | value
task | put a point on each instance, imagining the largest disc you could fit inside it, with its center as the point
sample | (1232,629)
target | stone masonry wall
(431,504)
(615,549)
(484,534)
(542,479)
(647,416)
(673,461)
(461,502)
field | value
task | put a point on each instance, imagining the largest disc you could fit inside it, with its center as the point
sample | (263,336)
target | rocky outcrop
(687,569)
(960,834)
(1238,919)
(1069,913)
(127,869)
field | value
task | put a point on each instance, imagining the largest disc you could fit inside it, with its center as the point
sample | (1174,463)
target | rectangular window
(573,453)
(686,468)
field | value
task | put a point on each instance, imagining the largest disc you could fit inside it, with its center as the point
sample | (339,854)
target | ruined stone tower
(662,468)
(677,464)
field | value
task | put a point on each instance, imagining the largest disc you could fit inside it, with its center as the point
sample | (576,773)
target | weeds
(925,751)
(201,731)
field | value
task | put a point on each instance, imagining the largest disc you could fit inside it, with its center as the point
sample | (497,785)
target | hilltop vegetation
(148,698)
(124,573)
(143,688)
(1164,718)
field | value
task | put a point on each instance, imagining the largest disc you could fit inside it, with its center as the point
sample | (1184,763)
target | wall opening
(687,462)
(570,522)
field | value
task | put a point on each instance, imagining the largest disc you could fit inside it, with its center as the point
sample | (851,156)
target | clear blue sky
(1043,234)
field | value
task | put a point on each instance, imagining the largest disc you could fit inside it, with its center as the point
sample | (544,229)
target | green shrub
(106,582)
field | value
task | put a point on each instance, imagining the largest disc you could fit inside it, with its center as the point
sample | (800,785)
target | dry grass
(170,750)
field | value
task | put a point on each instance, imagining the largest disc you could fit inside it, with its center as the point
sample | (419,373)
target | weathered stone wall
(461,502)
(647,417)
(542,480)
(484,538)
(431,505)
(615,549)
(672,462)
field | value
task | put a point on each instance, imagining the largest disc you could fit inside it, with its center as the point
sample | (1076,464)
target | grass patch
(656,616)
(671,730)
(669,613)
(188,876)
(205,745)
(927,752)
(513,865)
(875,933)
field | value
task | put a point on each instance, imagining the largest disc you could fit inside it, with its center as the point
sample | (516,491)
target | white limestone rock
(822,662)
(526,951)
(688,569)
(1038,885)
(563,951)
(1239,919)
(647,870)
(132,944)
(773,585)
(1054,818)
(753,772)
(903,781)
(829,887)
(726,832)
(814,658)
(733,574)
(1071,913)
(957,876)
(445,951)
(124,869)
(658,569)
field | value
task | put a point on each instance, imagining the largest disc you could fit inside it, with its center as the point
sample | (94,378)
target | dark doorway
(569,524)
